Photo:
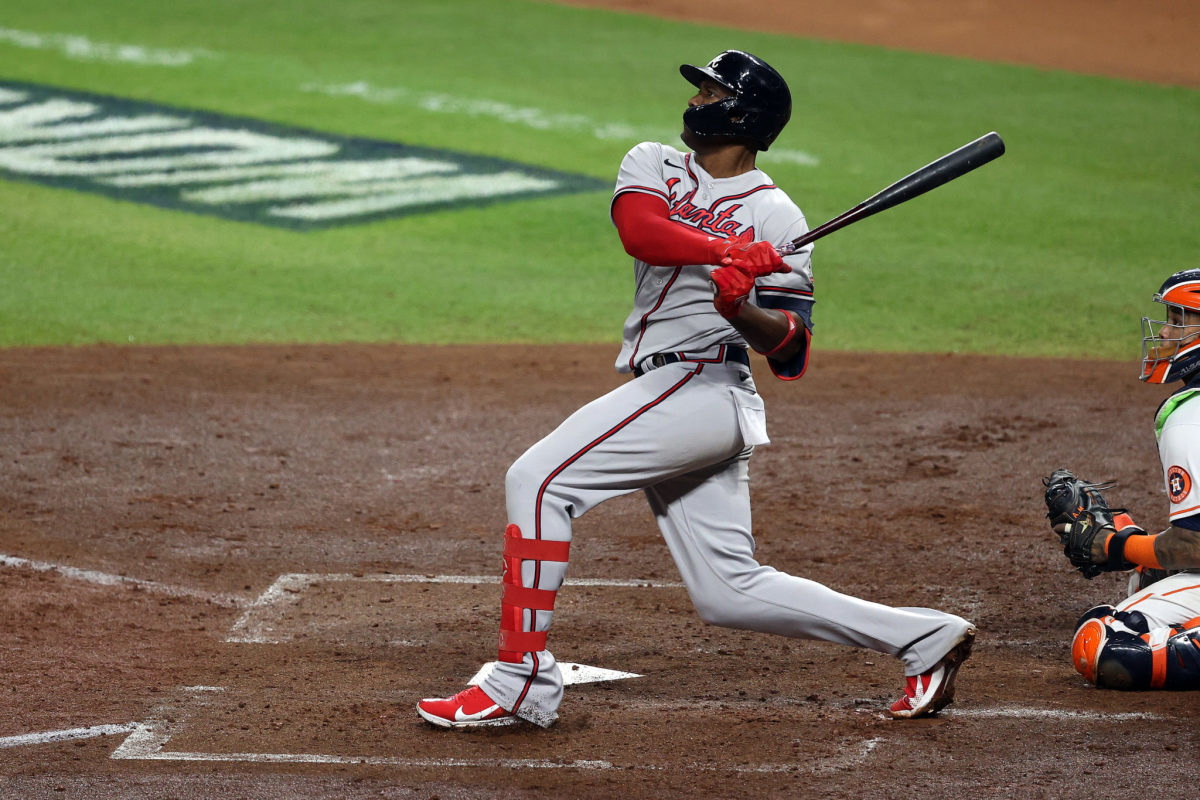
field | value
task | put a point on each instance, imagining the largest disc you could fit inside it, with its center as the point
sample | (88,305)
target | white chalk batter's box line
(147,741)
(256,624)
(260,621)
(286,589)
(108,579)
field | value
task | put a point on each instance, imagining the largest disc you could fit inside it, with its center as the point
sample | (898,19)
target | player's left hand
(754,258)
(731,289)
(1082,518)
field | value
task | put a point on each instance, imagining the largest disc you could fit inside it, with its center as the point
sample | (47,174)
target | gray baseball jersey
(683,432)
(672,306)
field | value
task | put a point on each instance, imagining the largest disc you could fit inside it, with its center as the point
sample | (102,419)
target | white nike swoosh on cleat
(459,716)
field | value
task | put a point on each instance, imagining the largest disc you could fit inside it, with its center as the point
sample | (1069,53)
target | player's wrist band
(787,337)
(1132,545)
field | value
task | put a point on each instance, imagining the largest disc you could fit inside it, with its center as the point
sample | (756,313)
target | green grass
(1054,249)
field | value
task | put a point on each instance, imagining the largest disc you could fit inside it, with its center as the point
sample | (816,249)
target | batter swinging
(703,228)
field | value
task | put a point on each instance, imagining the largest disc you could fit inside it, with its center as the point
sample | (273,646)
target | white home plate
(572,674)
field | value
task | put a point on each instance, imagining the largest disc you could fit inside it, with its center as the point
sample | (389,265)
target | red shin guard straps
(536,549)
(515,641)
(537,599)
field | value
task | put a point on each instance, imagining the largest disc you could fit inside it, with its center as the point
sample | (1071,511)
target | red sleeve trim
(642,190)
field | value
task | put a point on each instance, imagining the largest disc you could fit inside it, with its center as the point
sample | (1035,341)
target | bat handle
(797,245)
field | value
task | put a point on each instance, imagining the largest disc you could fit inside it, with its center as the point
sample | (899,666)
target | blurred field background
(1053,250)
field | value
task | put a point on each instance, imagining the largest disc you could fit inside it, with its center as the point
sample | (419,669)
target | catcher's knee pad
(1111,653)
(1089,641)
(1091,632)
(517,599)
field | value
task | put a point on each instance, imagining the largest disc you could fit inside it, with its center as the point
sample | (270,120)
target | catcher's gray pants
(683,434)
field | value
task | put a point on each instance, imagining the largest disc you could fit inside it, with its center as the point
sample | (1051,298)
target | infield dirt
(205,474)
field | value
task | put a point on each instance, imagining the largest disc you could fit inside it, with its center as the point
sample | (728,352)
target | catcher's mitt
(1078,513)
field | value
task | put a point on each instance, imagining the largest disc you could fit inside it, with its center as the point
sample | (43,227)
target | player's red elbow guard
(787,337)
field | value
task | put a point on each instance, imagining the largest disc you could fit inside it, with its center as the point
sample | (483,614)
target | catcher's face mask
(1171,347)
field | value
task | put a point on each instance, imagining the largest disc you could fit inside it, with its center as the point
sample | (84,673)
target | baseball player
(703,228)
(1150,640)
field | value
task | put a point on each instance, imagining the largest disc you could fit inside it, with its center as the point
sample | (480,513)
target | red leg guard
(515,641)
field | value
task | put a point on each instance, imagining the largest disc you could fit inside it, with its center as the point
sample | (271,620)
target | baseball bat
(950,166)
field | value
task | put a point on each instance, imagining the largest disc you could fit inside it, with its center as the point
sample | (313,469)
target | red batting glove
(719,250)
(754,258)
(731,289)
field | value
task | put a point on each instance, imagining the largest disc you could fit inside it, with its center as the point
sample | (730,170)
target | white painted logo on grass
(244,169)
(82,48)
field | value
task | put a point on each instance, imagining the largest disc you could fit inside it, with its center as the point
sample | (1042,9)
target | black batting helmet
(759,108)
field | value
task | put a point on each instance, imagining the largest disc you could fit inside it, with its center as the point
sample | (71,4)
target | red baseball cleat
(470,708)
(931,691)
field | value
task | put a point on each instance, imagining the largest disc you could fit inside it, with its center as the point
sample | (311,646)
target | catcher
(1151,640)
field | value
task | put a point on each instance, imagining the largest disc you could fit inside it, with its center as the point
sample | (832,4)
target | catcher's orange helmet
(1171,346)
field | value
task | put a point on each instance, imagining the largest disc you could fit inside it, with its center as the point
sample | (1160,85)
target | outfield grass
(1054,249)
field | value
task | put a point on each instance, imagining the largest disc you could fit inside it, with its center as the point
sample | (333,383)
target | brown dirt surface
(203,475)
(1142,41)
(153,500)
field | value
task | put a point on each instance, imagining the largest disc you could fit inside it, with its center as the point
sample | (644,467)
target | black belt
(657,360)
